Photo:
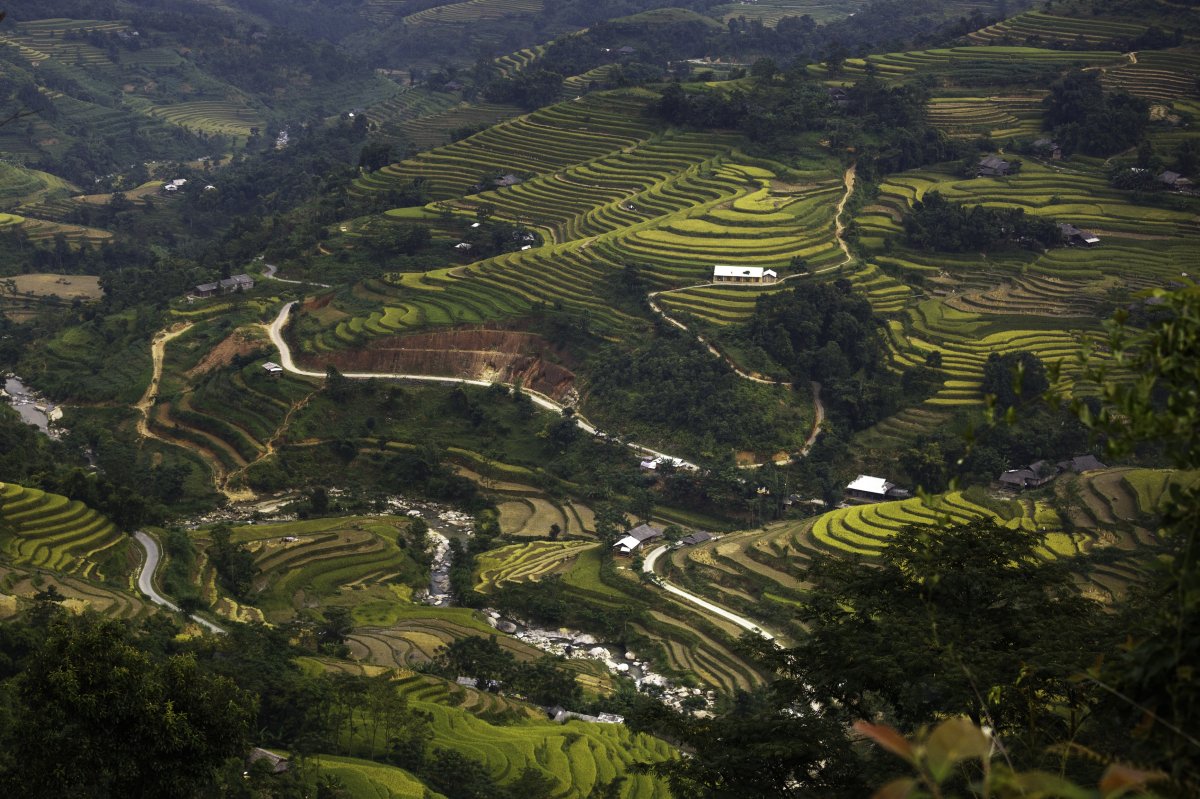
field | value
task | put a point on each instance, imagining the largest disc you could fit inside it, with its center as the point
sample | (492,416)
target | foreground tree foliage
(93,714)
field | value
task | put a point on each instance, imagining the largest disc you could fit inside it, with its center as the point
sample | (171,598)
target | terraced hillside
(612,190)
(681,638)
(1039,28)
(51,532)
(508,737)
(1109,541)
(304,564)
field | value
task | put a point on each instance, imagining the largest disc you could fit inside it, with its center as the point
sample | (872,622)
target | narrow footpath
(145,581)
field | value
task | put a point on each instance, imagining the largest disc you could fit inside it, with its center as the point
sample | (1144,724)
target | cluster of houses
(635,538)
(744,274)
(227,285)
(1039,473)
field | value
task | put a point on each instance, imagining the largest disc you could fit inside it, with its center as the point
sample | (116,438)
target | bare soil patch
(67,287)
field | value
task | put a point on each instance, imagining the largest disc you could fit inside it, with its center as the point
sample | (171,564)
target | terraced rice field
(418,632)
(1161,75)
(210,116)
(972,66)
(511,64)
(1000,117)
(1112,537)
(1039,27)
(577,755)
(519,563)
(39,40)
(326,557)
(1045,303)
(674,202)
(78,593)
(534,516)
(368,779)
(474,11)
(19,185)
(544,141)
(49,531)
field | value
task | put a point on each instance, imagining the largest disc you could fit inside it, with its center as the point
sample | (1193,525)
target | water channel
(32,408)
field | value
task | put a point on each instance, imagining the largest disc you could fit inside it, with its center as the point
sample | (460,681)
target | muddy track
(145,405)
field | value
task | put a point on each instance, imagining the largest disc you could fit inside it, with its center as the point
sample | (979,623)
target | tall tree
(93,715)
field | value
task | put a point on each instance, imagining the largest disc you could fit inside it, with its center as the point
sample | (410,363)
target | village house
(697,537)
(272,368)
(993,166)
(1074,237)
(241,282)
(206,289)
(1048,148)
(635,538)
(1035,475)
(1173,180)
(1080,464)
(277,763)
(743,274)
(838,95)
(865,489)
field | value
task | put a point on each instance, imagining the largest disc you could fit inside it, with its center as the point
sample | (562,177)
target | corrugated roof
(870,485)
(738,271)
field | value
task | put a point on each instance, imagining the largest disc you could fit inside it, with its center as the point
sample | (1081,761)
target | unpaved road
(740,621)
(158,348)
(275,331)
(145,581)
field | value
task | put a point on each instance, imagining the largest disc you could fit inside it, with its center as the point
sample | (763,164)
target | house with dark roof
(206,289)
(277,763)
(1048,148)
(697,537)
(838,95)
(1035,475)
(635,538)
(993,166)
(1074,237)
(1173,180)
(236,283)
(1081,463)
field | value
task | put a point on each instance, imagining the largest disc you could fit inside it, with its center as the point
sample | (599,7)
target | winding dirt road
(839,229)
(275,331)
(158,347)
